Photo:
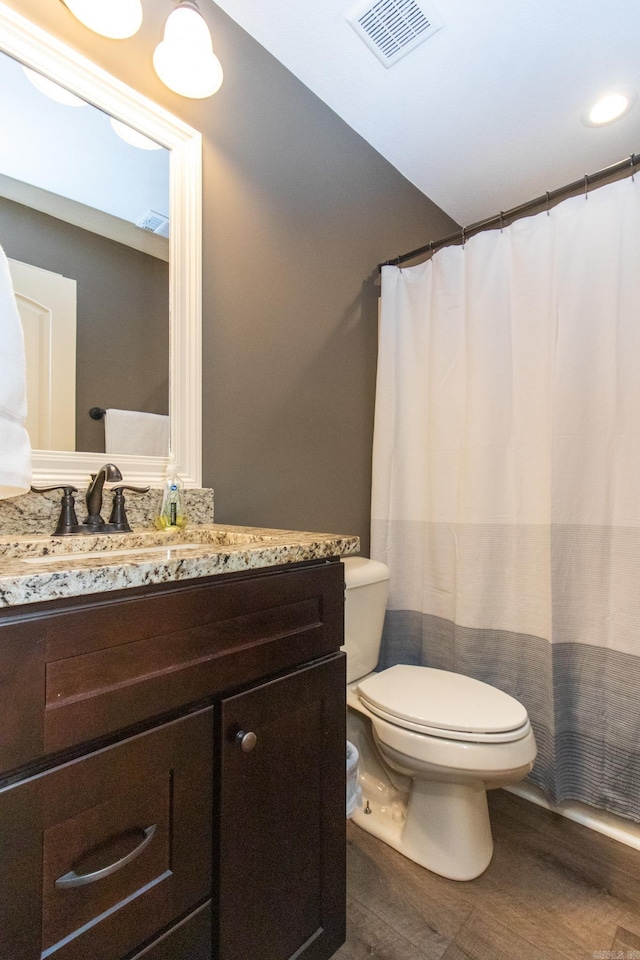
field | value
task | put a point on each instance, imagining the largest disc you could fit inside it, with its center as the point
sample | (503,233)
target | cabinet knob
(246,741)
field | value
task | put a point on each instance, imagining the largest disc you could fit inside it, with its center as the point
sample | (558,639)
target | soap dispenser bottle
(172,512)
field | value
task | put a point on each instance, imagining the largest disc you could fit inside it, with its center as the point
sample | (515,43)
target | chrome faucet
(110,473)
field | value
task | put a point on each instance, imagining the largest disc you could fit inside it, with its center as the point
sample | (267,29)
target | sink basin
(173,552)
(159,545)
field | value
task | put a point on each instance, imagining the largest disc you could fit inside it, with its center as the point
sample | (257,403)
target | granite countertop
(38,568)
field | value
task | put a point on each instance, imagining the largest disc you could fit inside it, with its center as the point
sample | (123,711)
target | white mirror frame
(33,46)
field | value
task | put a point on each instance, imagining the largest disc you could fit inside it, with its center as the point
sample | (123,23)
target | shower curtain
(506,479)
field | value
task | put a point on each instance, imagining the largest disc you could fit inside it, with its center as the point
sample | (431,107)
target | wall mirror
(176,283)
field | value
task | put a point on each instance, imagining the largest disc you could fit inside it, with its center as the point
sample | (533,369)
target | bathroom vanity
(172,717)
(172,751)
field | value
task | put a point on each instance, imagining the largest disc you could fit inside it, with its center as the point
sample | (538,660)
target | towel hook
(97,413)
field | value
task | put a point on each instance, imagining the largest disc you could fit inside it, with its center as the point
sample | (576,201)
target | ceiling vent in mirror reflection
(155,223)
(393,28)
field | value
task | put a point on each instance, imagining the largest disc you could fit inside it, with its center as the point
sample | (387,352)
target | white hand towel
(15,447)
(141,434)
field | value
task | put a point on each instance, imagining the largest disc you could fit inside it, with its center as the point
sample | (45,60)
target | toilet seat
(442,704)
(507,736)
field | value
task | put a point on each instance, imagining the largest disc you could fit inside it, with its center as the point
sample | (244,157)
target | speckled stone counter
(34,569)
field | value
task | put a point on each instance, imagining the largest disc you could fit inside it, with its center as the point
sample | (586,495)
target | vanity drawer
(115,845)
(155,653)
(100,664)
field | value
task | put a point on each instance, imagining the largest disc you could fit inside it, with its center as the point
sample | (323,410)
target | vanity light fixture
(609,108)
(53,90)
(133,137)
(116,19)
(184,60)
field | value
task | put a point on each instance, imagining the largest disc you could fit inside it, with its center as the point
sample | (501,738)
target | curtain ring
(548,202)
(586,186)
(501,221)
(463,238)
(633,169)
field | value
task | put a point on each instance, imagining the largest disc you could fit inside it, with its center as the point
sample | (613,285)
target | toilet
(431,742)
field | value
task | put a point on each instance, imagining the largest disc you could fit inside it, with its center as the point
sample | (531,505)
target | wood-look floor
(553,890)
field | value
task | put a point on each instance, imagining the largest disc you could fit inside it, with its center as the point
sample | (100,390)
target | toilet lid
(440,700)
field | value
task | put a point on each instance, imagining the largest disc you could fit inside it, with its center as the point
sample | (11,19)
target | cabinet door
(190,939)
(282,817)
(103,852)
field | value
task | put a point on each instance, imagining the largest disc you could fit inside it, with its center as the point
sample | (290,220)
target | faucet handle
(67,487)
(68,520)
(126,486)
(118,515)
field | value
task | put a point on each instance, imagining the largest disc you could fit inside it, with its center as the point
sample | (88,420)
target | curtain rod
(589,179)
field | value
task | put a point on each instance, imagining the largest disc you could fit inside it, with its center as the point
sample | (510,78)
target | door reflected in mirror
(84,221)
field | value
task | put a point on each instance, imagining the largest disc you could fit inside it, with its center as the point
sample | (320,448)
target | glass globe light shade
(184,60)
(116,19)
(133,137)
(53,90)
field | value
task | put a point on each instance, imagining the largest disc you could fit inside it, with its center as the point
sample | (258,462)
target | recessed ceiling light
(609,108)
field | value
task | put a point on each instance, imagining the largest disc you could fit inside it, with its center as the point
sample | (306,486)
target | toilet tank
(365,602)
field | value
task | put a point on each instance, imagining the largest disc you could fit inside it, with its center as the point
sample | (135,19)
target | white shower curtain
(506,490)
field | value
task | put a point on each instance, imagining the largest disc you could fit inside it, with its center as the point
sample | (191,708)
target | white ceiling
(484,115)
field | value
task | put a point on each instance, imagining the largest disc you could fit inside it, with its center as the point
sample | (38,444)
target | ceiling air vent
(393,28)
(155,223)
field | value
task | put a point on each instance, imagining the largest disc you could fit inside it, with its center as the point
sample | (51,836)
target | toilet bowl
(431,742)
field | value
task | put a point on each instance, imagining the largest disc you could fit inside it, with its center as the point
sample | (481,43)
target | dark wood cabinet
(172,771)
(190,938)
(115,841)
(282,817)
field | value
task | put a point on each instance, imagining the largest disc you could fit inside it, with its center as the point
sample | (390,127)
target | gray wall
(122,345)
(298,211)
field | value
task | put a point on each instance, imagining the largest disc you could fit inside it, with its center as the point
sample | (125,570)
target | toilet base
(443,826)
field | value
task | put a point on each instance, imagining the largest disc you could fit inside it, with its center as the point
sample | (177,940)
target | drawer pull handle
(73,879)
(246,741)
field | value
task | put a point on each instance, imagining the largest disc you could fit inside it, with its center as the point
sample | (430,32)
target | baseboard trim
(624,831)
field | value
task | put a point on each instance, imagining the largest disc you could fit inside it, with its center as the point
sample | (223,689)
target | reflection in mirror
(35,48)
(84,220)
